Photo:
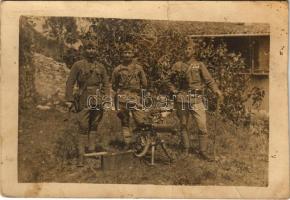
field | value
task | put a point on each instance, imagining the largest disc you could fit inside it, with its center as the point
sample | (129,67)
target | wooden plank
(232,35)
(95,154)
(118,160)
(103,153)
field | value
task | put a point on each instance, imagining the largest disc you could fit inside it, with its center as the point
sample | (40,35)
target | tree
(166,40)
(58,28)
(163,39)
(26,68)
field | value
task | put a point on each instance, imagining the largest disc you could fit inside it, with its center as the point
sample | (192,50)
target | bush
(157,42)
(26,68)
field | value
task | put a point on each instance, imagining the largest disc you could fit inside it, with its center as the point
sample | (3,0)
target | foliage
(111,34)
(66,147)
(257,95)
(61,29)
(26,68)
(51,161)
(158,46)
(226,68)
(25,41)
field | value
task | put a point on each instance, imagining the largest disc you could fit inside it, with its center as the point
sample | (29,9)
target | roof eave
(232,35)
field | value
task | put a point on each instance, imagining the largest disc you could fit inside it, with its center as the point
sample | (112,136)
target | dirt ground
(241,156)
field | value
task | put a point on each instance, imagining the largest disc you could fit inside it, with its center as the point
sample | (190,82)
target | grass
(242,157)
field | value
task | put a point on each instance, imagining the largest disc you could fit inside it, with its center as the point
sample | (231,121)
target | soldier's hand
(69,105)
(175,91)
(220,96)
(220,100)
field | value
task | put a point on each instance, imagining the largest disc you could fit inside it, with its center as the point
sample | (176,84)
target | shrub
(26,68)
(156,40)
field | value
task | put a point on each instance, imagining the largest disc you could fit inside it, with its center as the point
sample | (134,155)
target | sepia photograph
(144,99)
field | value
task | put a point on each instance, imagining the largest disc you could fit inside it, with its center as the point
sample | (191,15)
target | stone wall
(26,86)
(49,77)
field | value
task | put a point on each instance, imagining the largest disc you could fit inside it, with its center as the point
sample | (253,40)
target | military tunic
(91,79)
(190,78)
(127,82)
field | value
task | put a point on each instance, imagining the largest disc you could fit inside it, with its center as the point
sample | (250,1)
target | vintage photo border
(274,13)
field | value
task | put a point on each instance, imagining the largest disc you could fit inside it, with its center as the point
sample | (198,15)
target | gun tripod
(147,138)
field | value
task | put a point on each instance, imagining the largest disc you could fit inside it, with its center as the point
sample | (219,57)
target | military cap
(90,43)
(93,27)
(192,43)
(127,47)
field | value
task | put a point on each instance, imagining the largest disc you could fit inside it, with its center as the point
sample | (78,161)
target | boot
(185,142)
(92,141)
(203,143)
(81,161)
(82,140)
(127,137)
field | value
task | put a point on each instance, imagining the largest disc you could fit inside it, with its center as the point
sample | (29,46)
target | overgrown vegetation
(26,68)
(159,45)
(242,157)
(153,40)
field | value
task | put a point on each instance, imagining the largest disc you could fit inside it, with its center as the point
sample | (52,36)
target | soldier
(91,77)
(128,79)
(187,82)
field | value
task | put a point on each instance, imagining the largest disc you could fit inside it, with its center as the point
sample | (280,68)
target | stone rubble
(50,78)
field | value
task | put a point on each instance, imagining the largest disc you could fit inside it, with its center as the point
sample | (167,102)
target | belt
(196,92)
(92,87)
(129,90)
(92,90)
(192,92)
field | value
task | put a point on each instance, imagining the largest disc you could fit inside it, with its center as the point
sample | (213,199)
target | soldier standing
(91,77)
(128,79)
(187,82)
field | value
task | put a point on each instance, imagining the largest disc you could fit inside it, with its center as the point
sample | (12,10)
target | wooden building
(253,42)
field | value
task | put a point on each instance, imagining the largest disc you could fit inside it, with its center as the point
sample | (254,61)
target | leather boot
(127,137)
(185,141)
(82,141)
(203,144)
(92,141)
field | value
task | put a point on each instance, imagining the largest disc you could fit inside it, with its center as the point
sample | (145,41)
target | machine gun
(147,138)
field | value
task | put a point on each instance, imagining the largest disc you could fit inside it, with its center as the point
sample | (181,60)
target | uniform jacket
(89,77)
(190,76)
(128,79)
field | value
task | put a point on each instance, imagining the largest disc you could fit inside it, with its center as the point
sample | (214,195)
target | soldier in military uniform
(90,77)
(187,82)
(128,79)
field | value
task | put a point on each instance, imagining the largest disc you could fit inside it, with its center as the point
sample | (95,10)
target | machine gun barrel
(163,127)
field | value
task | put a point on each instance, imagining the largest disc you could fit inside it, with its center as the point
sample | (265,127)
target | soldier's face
(189,51)
(128,55)
(91,51)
